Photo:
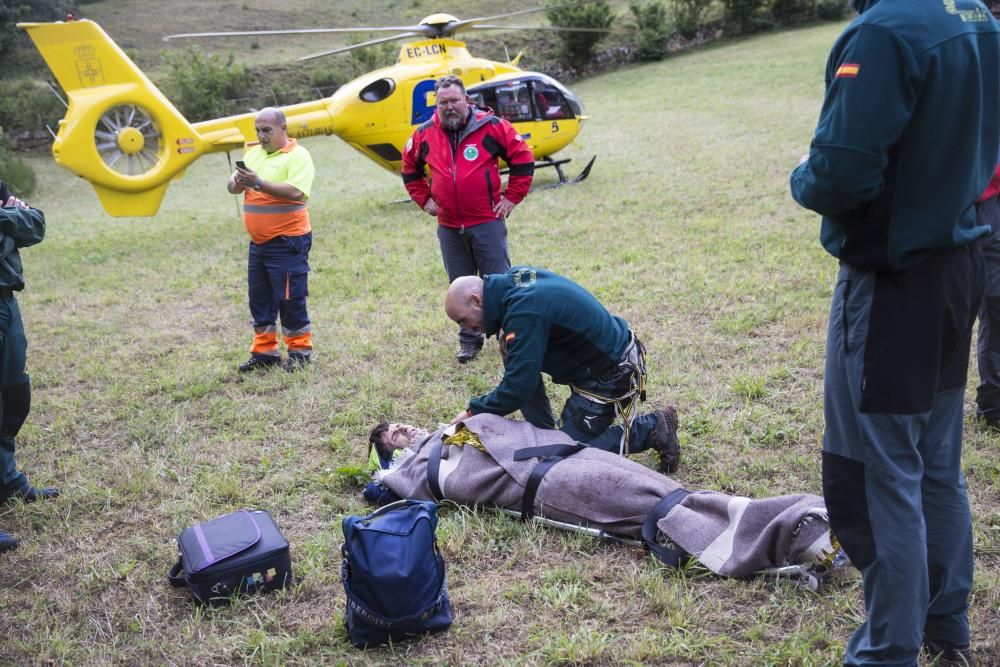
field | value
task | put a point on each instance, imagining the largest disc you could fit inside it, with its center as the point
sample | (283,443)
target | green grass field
(685,228)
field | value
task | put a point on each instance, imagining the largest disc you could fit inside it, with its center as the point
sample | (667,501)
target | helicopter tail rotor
(129,140)
(120,132)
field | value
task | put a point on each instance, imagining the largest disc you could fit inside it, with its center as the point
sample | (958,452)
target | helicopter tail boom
(119,132)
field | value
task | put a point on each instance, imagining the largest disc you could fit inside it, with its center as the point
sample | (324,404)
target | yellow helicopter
(124,136)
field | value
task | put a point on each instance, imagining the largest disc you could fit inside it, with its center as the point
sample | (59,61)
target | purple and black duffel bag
(238,553)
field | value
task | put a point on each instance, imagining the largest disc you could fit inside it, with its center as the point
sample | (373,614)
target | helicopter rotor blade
(359,45)
(550,28)
(464,25)
(297,31)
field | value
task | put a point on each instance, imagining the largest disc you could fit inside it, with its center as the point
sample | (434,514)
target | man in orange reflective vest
(276,180)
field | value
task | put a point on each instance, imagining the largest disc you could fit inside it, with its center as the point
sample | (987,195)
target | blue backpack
(393,574)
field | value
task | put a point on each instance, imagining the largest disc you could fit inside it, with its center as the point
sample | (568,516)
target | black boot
(29,494)
(947,654)
(7,541)
(257,363)
(294,362)
(665,440)
(468,351)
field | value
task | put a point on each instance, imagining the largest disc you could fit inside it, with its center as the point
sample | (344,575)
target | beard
(452,120)
(418,435)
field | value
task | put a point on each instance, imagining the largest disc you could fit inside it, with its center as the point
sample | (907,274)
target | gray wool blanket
(730,535)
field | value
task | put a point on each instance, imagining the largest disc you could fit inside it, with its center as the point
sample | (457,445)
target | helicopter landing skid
(557,165)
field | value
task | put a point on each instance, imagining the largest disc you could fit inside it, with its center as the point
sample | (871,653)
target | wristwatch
(260,182)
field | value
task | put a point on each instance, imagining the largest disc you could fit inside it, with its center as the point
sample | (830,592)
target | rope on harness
(627,405)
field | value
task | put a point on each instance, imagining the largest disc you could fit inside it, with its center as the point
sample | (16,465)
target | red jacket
(465,182)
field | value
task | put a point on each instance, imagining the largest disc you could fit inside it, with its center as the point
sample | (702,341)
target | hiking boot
(7,541)
(946,654)
(30,494)
(665,439)
(988,424)
(295,361)
(257,363)
(468,351)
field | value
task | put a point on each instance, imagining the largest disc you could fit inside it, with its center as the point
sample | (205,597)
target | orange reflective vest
(267,217)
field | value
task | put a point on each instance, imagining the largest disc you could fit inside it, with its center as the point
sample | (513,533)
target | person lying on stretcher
(493,461)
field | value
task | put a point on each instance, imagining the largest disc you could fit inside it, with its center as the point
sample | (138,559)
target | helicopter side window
(483,98)
(376,91)
(550,102)
(513,102)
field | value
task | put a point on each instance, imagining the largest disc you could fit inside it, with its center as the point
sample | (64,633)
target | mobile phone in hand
(242,165)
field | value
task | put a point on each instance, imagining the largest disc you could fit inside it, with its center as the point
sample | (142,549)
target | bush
(577,48)
(13,12)
(689,15)
(371,58)
(32,108)
(830,10)
(14,171)
(205,87)
(743,15)
(793,11)
(653,30)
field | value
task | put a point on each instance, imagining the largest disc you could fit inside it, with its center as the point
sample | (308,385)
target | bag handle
(172,575)
(378,619)
(405,502)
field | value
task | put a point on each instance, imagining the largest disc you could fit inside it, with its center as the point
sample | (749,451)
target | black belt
(549,455)
(6,293)
(671,555)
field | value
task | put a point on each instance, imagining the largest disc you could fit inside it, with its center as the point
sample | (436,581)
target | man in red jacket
(461,145)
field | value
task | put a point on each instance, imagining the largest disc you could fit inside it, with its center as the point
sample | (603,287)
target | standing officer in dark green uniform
(548,323)
(20,226)
(906,143)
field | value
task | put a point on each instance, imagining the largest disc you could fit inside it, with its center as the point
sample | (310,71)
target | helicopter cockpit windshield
(526,99)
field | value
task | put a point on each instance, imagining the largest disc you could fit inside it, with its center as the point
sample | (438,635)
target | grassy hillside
(140,25)
(685,228)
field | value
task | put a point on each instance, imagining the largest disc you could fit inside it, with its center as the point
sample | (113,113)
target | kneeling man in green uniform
(548,324)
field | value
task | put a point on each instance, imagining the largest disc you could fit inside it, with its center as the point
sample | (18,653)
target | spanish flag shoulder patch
(848,71)
(510,336)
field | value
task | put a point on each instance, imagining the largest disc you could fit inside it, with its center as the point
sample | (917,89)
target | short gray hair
(275,112)
(447,81)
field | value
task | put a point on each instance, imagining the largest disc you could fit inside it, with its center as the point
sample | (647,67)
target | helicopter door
(549,102)
(513,101)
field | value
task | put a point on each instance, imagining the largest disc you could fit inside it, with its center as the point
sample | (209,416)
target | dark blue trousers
(896,362)
(988,344)
(15,391)
(278,284)
(590,422)
(479,250)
